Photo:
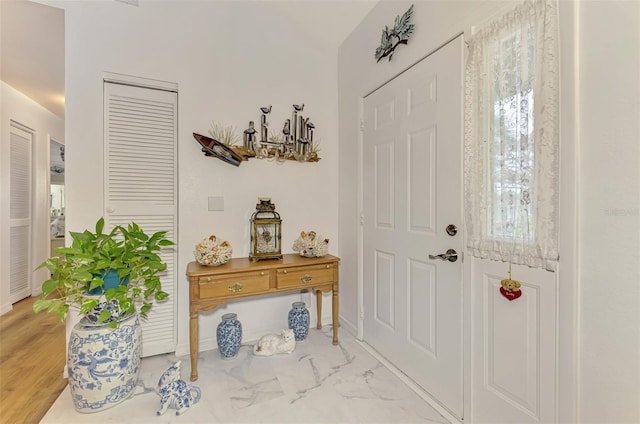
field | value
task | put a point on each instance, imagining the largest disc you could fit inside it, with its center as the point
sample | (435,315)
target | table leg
(193,344)
(319,308)
(334,313)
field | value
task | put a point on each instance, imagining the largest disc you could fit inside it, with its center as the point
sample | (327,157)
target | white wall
(609,212)
(228,59)
(598,283)
(16,106)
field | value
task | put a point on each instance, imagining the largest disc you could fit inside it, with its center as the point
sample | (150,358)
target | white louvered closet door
(140,165)
(20,214)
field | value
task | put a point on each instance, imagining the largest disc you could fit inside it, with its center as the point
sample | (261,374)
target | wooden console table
(210,287)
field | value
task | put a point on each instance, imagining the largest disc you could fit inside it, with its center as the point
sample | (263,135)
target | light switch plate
(216,203)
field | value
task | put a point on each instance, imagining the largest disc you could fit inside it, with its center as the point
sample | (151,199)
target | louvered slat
(19,263)
(158,329)
(141,136)
(20,177)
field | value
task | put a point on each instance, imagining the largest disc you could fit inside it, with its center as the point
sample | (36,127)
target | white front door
(412,193)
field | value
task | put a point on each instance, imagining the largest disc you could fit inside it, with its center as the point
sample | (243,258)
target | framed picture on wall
(212,147)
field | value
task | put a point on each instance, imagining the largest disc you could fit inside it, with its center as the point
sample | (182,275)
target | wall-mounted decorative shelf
(235,155)
(295,143)
(276,151)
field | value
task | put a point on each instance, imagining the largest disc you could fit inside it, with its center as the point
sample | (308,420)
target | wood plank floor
(32,360)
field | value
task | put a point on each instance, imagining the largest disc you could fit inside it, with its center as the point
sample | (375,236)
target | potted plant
(111,277)
(123,264)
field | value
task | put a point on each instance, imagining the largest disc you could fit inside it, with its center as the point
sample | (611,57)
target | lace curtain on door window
(512,138)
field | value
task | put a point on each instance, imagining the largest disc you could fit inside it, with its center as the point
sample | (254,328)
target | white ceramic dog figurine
(285,342)
(175,392)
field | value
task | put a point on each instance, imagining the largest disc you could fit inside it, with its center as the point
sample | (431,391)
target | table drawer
(234,284)
(307,276)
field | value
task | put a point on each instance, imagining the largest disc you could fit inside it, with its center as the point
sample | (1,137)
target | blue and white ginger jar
(229,336)
(103,363)
(299,320)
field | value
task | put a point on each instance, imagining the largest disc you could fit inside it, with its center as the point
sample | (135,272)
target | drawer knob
(328,266)
(208,278)
(306,278)
(262,274)
(235,288)
(285,271)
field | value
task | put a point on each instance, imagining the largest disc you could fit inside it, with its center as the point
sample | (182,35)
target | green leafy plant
(82,267)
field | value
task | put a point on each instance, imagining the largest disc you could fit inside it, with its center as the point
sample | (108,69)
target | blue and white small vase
(229,336)
(299,320)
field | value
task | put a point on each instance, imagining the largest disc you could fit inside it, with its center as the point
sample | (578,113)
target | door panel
(422,150)
(383,191)
(21,143)
(141,186)
(422,319)
(412,190)
(513,375)
(384,283)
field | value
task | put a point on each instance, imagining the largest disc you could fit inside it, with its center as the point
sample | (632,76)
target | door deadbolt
(452,230)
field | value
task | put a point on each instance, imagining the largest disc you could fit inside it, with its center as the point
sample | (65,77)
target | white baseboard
(6,308)
(412,385)
(350,327)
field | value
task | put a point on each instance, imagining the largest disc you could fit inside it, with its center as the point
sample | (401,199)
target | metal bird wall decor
(393,37)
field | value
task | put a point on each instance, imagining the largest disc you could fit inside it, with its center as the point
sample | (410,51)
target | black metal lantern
(266,231)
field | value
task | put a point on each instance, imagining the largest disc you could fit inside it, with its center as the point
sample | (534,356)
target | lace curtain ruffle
(512,138)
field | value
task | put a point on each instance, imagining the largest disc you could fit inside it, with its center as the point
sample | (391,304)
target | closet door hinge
(361,125)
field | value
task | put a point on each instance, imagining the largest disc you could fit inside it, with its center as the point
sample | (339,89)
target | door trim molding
(124,79)
(360,219)
(378,87)
(50,140)
(568,275)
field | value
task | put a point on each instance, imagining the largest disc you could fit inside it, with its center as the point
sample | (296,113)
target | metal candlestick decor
(295,143)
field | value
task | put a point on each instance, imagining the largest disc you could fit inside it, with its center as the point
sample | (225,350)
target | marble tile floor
(317,383)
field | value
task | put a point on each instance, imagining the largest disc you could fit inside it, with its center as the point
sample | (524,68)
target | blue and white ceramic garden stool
(103,363)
